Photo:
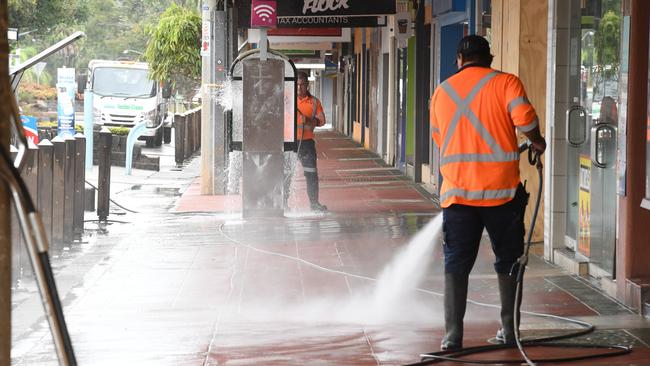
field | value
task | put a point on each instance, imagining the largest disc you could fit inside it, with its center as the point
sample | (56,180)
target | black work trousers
(463,227)
(307,157)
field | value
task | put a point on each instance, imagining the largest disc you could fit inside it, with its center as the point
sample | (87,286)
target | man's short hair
(303,76)
(475,48)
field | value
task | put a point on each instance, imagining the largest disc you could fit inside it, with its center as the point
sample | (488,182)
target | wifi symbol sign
(263,13)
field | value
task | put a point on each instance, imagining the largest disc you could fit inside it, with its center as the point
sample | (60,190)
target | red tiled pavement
(346,186)
(196,287)
(291,329)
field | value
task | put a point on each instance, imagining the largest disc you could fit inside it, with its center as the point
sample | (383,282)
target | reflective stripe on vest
(463,109)
(516,103)
(478,195)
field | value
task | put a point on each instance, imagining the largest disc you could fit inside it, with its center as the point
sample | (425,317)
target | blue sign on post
(66,88)
(31,128)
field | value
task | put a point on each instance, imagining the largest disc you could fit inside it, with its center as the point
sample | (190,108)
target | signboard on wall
(335,7)
(584,207)
(402,26)
(31,128)
(66,88)
(206,31)
(324,13)
(263,14)
(327,21)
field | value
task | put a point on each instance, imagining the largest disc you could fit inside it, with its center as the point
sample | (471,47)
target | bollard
(79,185)
(189,118)
(30,172)
(193,132)
(186,141)
(58,189)
(198,129)
(179,155)
(44,196)
(190,133)
(104,174)
(68,202)
(20,256)
(30,176)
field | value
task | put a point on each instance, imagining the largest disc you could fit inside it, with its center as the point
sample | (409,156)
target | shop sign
(66,88)
(331,21)
(584,207)
(30,127)
(206,32)
(263,14)
(324,13)
(335,7)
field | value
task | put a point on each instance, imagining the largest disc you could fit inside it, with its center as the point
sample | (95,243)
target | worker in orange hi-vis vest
(474,117)
(310,116)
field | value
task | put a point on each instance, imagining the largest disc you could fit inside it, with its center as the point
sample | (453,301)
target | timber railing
(187,135)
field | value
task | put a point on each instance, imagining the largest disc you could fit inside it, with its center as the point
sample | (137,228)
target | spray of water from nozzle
(222,93)
(400,278)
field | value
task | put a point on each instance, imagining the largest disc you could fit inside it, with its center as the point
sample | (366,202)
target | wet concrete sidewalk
(186,281)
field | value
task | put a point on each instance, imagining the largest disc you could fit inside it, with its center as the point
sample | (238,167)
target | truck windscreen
(123,82)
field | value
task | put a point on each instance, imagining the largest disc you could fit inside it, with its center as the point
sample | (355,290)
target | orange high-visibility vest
(473,117)
(309,106)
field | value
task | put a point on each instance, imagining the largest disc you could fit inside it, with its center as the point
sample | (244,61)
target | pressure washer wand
(533,159)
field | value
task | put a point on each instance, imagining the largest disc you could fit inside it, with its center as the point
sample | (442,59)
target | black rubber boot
(507,292)
(455,303)
(312,192)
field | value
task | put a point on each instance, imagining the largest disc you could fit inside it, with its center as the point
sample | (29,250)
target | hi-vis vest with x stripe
(473,116)
(309,106)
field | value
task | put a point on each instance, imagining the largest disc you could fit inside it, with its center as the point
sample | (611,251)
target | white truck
(123,95)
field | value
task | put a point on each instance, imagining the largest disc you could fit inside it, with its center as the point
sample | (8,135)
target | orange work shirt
(474,115)
(311,107)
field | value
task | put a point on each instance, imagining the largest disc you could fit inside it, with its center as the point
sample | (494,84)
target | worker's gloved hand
(539,146)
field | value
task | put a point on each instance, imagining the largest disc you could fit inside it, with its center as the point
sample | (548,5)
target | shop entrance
(591,132)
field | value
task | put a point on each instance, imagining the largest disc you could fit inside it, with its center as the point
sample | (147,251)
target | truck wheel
(149,141)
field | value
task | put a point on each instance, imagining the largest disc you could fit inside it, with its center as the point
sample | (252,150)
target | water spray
(458,355)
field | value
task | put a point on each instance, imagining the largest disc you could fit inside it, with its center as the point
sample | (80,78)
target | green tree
(42,15)
(173,49)
(607,42)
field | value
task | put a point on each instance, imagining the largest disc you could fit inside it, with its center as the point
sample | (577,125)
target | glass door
(591,125)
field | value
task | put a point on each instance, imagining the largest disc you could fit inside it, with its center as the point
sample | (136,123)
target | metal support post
(213,77)
(179,137)
(104,174)
(422,93)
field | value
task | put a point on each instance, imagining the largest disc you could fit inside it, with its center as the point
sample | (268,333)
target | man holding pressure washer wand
(310,115)
(474,115)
